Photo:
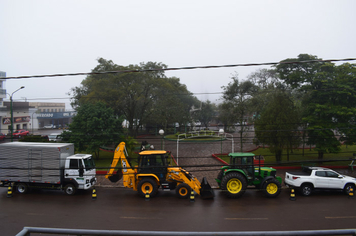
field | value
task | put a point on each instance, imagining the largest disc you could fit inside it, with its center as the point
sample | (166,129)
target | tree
(331,108)
(94,126)
(137,96)
(277,123)
(172,104)
(237,96)
(205,115)
(328,100)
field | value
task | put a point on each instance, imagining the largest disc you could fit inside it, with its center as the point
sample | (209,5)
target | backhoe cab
(234,178)
(153,171)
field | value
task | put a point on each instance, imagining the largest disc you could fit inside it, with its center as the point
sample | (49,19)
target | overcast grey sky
(48,37)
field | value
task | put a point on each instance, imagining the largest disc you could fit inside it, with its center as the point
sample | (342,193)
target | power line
(181,68)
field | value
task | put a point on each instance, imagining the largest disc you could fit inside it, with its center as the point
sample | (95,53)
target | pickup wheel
(21,188)
(234,185)
(271,188)
(306,189)
(348,188)
(147,184)
(70,189)
(183,190)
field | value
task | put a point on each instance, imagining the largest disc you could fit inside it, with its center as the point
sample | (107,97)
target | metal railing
(28,230)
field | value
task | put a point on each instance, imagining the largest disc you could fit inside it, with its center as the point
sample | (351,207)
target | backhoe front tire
(234,185)
(183,190)
(271,188)
(147,184)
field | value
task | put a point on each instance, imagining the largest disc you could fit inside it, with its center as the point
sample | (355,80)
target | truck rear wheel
(183,190)
(147,184)
(271,188)
(70,189)
(234,185)
(21,188)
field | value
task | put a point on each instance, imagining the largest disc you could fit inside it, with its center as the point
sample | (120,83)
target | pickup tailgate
(294,180)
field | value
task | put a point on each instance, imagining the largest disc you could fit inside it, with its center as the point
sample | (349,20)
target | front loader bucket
(116,177)
(206,191)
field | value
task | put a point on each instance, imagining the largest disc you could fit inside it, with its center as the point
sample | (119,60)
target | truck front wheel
(70,189)
(22,188)
(271,188)
(234,185)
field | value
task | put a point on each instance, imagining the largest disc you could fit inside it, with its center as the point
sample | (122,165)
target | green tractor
(234,178)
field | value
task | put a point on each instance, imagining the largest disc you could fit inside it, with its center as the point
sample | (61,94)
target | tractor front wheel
(272,188)
(234,185)
(147,185)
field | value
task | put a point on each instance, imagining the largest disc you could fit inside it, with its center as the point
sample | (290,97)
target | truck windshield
(89,163)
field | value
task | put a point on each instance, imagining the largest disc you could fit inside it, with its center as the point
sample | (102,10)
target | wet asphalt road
(123,209)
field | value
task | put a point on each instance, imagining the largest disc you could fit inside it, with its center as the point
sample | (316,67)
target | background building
(50,115)
(31,116)
(2,96)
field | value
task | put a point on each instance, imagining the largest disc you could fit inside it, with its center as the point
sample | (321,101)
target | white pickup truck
(319,178)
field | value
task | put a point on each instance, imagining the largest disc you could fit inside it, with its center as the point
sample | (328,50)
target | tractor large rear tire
(220,176)
(147,184)
(271,188)
(234,185)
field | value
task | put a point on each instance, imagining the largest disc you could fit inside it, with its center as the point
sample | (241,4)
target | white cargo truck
(26,165)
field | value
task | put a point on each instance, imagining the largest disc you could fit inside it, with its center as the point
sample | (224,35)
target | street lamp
(221,132)
(12,113)
(161,132)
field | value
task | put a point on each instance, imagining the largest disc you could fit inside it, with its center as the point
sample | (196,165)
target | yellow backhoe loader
(153,172)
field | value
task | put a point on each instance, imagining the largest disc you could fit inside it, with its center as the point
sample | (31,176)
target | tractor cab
(243,161)
(154,162)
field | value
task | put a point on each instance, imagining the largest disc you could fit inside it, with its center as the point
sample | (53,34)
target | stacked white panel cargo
(45,165)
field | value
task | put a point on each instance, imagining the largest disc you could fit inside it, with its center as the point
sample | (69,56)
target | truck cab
(80,170)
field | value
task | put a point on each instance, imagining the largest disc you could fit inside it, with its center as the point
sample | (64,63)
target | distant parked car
(2,136)
(51,126)
(54,137)
(20,133)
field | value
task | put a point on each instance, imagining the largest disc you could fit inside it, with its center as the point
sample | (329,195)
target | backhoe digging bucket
(116,177)
(206,191)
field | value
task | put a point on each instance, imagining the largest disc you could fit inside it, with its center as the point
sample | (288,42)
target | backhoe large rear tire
(234,184)
(183,190)
(271,188)
(147,184)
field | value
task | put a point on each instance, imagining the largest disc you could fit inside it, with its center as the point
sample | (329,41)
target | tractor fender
(140,176)
(236,170)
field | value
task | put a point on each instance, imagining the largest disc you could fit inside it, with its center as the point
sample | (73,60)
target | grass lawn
(310,157)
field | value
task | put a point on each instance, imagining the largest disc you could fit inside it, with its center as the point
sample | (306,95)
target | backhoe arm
(118,155)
